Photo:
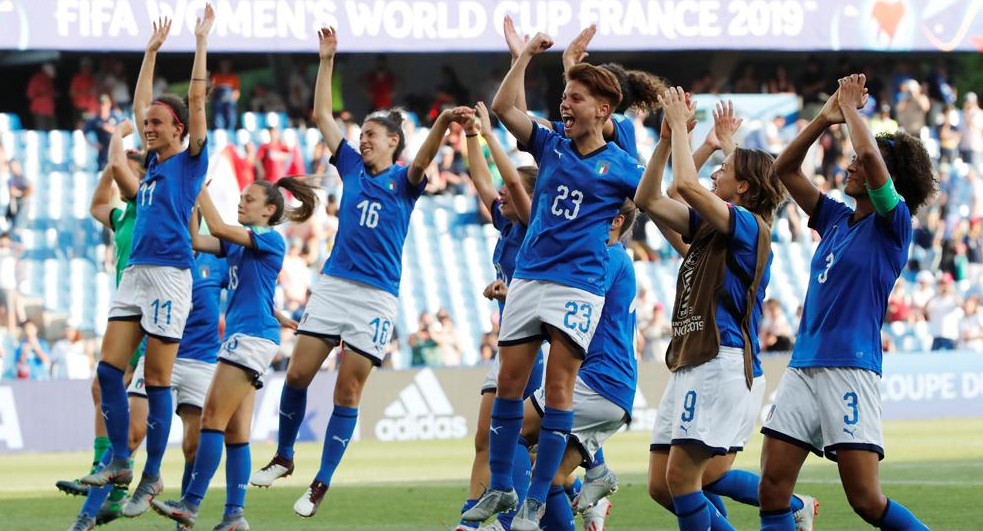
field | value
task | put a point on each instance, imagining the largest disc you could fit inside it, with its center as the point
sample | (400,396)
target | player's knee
(481,442)
(297,377)
(869,505)
(189,449)
(679,480)
(96,391)
(659,492)
(347,393)
(558,395)
(773,490)
(136,437)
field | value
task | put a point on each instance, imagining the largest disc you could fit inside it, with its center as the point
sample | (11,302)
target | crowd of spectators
(938,296)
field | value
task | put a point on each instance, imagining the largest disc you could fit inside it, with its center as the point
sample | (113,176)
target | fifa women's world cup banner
(476,25)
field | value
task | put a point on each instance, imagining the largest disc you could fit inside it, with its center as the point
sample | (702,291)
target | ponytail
(301,188)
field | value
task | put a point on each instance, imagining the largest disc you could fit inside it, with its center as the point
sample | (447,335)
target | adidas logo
(421,412)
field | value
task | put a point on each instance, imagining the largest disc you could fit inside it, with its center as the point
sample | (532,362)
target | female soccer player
(154,295)
(558,289)
(828,401)
(720,290)
(719,477)
(510,208)
(355,300)
(252,337)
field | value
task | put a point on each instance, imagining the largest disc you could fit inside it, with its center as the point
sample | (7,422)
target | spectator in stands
(31,356)
(924,291)
(899,306)
(882,121)
(42,93)
(748,82)
(274,158)
(971,140)
(295,277)
(949,135)
(656,333)
(101,126)
(69,358)
(243,164)
(423,346)
(705,83)
(944,313)
(447,339)
(266,100)
(453,171)
(299,95)
(381,83)
(811,87)
(19,189)
(971,326)
(84,91)
(974,248)
(9,295)
(775,139)
(913,108)
(116,85)
(780,84)
(225,96)
(774,332)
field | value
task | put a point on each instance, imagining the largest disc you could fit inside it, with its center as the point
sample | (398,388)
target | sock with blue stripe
(777,520)
(559,515)
(717,502)
(97,495)
(598,459)
(293,406)
(553,435)
(742,486)
(574,489)
(338,434)
(695,513)
(521,475)
(897,517)
(468,504)
(506,422)
(186,477)
(160,404)
(115,408)
(206,463)
(237,465)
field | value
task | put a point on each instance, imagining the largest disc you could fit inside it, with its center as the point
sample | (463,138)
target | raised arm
(434,138)
(721,136)
(851,95)
(323,116)
(198,124)
(577,49)
(515,119)
(711,208)
(521,202)
(143,93)
(667,213)
(659,159)
(478,166)
(202,242)
(218,228)
(127,182)
(516,43)
(101,208)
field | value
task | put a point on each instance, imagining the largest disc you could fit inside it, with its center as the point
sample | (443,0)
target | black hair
(630,213)
(393,122)
(639,89)
(910,167)
(301,188)
(179,106)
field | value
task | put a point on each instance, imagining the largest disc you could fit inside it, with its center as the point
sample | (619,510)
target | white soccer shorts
(189,382)
(158,296)
(705,405)
(249,353)
(823,409)
(757,400)
(595,418)
(344,310)
(532,304)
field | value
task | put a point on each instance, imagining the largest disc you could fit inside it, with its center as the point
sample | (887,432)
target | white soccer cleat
(307,504)
(495,525)
(595,516)
(805,518)
(603,484)
(277,468)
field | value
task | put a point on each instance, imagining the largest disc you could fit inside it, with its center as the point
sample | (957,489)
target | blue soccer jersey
(610,368)
(510,240)
(201,340)
(624,133)
(252,281)
(164,203)
(852,275)
(373,220)
(742,257)
(576,198)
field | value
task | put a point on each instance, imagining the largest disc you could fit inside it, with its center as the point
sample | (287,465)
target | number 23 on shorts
(578,316)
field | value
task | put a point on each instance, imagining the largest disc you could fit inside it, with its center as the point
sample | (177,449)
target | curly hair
(765,190)
(639,89)
(910,167)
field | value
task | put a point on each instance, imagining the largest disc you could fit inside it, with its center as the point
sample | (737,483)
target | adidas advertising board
(442,404)
(421,412)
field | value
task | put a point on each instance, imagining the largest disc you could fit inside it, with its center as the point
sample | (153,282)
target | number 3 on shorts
(851,403)
(578,312)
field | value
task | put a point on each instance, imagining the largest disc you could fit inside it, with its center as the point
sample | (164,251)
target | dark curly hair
(910,167)
(639,89)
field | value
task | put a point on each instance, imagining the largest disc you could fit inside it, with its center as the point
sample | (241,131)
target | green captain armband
(884,198)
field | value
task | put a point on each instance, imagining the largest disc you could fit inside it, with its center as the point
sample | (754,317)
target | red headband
(169,109)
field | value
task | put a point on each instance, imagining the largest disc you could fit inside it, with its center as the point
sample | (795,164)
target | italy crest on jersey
(602,167)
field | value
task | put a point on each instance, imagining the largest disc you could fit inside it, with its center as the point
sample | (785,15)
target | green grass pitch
(933,467)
